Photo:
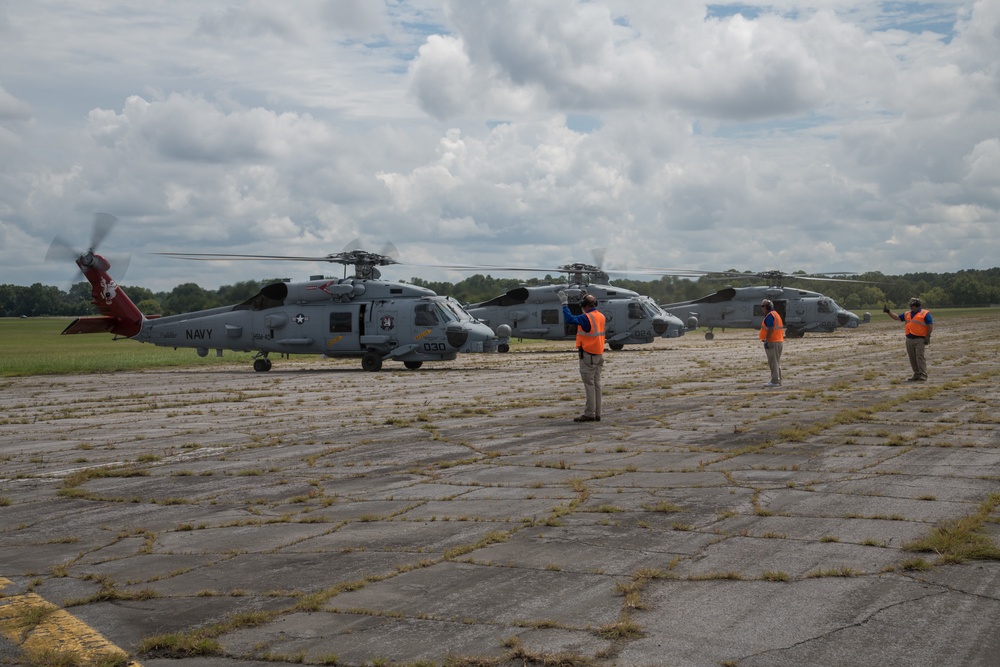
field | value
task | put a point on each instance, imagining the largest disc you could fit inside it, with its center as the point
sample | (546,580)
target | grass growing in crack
(177,645)
(842,571)
(916,564)
(492,537)
(712,576)
(663,506)
(961,539)
(623,628)
(109,593)
(203,640)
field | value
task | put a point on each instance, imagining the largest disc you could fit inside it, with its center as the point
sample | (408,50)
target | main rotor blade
(826,279)
(390,251)
(210,256)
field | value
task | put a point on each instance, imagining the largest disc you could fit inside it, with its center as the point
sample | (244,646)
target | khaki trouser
(590,371)
(773,352)
(915,351)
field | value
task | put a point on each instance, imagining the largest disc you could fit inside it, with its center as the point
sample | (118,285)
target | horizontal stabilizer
(83,325)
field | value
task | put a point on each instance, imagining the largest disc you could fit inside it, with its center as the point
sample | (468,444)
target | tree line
(973,287)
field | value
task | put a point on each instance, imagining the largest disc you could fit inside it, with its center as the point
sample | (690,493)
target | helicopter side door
(780,306)
(344,327)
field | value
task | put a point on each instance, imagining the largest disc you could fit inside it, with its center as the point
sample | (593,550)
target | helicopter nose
(660,326)
(848,319)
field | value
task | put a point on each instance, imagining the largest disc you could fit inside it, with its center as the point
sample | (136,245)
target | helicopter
(536,313)
(801,310)
(357,316)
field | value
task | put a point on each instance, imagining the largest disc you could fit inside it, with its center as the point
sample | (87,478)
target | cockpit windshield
(452,310)
(651,307)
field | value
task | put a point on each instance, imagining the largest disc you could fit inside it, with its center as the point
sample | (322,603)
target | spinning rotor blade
(599,255)
(214,256)
(103,224)
(779,277)
(389,250)
(60,251)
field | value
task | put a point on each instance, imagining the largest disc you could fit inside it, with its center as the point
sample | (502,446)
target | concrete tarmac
(456,515)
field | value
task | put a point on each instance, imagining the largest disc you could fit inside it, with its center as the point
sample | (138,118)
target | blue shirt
(581,321)
(769,320)
(928,319)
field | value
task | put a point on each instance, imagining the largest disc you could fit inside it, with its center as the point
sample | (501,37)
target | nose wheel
(262,365)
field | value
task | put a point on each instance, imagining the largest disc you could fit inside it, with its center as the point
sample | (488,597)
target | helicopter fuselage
(536,313)
(739,308)
(391,320)
(372,319)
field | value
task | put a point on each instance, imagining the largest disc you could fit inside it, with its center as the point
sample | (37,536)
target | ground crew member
(590,348)
(772,332)
(919,325)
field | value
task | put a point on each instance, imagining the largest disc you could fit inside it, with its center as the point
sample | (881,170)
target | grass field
(34,346)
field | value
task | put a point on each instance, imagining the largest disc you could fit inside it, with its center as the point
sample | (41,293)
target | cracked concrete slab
(456,513)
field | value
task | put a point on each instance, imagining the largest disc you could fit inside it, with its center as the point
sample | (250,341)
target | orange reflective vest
(592,341)
(916,324)
(778,334)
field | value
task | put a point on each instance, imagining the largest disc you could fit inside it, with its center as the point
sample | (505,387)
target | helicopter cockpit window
(635,311)
(651,308)
(823,305)
(340,322)
(424,315)
(444,314)
(550,316)
(455,309)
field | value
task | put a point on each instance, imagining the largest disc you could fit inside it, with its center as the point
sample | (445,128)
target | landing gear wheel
(262,365)
(616,346)
(503,347)
(372,361)
(413,365)
(709,335)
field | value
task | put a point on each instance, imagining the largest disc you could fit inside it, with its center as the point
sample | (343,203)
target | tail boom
(120,316)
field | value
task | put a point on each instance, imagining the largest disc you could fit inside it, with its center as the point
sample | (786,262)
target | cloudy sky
(828,135)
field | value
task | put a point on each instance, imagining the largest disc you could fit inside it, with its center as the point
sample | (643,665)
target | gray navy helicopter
(801,311)
(535,312)
(357,316)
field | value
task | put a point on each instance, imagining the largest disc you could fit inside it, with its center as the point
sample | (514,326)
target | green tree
(40,300)
(187,298)
(935,296)
(967,290)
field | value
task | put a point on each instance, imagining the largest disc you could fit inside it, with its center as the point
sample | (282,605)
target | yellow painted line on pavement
(40,627)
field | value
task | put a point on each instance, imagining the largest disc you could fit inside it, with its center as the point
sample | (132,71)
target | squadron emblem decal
(387,322)
(109,288)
